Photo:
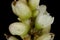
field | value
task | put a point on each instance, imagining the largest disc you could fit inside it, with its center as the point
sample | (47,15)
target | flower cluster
(34,20)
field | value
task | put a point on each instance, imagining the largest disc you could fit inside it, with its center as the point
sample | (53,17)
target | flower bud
(34,4)
(21,10)
(48,36)
(43,21)
(12,38)
(19,28)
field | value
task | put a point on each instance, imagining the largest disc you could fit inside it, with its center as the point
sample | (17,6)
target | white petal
(45,20)
(42,9)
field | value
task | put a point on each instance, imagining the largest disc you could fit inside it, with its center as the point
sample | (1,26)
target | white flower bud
(42,21)
(34,4)
(12,38)
(18,28)
(46,37)
(21,10)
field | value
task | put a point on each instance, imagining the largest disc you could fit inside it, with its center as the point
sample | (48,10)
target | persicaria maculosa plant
(34,21)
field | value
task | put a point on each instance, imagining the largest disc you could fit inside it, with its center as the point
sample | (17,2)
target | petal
(42,9)
(45,20)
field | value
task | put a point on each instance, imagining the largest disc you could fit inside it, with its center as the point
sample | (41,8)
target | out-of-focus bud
(18,28)
(12,38)
(34,4)
(48,36)
(43,21)
(21,10)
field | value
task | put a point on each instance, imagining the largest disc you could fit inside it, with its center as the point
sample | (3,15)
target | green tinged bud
(21,10)
(35,13)
(34,4)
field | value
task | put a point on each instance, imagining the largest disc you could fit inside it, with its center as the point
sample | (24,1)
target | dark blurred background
(7,17)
